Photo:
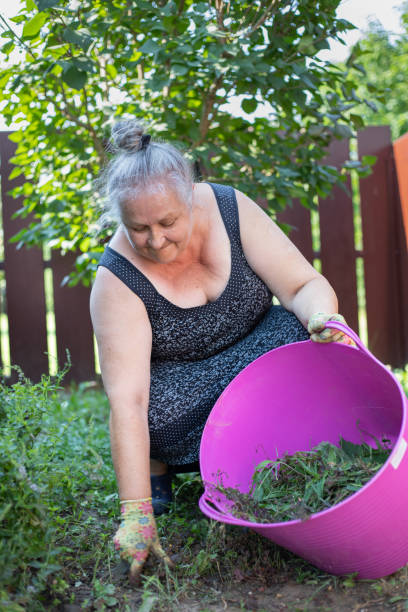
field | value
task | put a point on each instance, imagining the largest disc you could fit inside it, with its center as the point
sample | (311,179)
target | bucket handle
(216,514)
(348,332)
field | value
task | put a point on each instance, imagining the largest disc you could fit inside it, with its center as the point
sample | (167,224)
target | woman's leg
(157,468)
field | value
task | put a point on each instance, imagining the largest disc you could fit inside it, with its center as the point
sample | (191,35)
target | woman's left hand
(137,535)
(319,333)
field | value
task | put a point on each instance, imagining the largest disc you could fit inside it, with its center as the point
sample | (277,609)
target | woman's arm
(297,285)
(124,337)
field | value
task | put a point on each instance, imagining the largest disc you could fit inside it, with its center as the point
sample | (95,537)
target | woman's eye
(168,223)
(139,229)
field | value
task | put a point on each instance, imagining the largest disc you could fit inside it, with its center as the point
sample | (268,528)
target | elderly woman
(180,305)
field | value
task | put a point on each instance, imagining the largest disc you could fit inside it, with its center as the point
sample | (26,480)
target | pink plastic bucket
(291,399)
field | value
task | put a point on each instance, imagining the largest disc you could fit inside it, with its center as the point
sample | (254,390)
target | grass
(301,484)
(59,510)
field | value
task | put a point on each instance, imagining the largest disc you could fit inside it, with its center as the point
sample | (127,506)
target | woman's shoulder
(109,292)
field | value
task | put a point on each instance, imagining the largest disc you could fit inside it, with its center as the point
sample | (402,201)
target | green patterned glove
(319,333)
(137,535)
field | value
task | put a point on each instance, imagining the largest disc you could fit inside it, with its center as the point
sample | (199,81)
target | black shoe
(185,468)
(162,495)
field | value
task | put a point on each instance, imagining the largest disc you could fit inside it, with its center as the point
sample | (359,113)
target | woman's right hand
(137,535)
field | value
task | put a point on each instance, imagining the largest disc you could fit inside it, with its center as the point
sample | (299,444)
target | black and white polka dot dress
(197,351)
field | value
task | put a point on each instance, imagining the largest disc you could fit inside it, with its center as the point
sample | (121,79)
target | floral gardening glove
(319,333)
(137,535)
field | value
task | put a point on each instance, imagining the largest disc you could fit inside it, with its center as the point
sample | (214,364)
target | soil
(248,593)
(297,587)
(221,567)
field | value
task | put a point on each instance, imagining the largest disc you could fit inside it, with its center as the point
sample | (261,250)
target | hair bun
(126,135)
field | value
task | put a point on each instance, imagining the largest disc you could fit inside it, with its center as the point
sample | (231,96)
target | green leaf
(398,598)
(179,69)
(351,449)
(148,603)
(371,105)
(32,27)
(79,38)
(342,131)
(148,47)
(360,68)
(43,5)
(170,8)
(249,105)
(17,171)
(111,71)
(369,160)
(74,77)
(357,120)
(316,130)
(8,47)
(84,64)
(16,136)
(306,45)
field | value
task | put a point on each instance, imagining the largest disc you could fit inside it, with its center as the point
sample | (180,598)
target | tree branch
(96,140)
(181,8)
(268,12)
(16,36)
(207,109)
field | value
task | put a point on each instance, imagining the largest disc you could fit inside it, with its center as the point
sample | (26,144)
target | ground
(59,510)
(219,567)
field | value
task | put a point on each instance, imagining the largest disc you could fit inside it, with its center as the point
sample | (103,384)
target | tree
(383,57)
(174,64)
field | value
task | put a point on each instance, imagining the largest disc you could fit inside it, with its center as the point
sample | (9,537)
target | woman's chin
(164,255)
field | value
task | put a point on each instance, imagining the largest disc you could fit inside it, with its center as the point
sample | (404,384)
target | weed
(299,485)
(103,595)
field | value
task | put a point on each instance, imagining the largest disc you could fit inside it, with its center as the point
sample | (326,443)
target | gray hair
(140,165)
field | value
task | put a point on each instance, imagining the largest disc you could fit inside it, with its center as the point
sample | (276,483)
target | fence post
(298,217)
(399,180)
(379,203)
(73,325)
(24,274)
(337,246)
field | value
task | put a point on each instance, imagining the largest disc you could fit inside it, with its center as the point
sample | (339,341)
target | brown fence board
(298,217)
(399,229)
(24,274)
(379,246)
(337,246)
(401,171)
(72,321)
(401,163)
(2,309)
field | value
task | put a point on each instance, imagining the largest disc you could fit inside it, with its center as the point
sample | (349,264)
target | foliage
(383,60)
(175,64)
(299,485)
(54,461)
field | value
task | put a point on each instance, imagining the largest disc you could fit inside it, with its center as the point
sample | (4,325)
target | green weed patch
(54,463)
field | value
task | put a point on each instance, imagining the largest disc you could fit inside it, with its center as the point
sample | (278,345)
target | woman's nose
(156,239)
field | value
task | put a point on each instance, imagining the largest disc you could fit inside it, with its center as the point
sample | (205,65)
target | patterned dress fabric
(197,351)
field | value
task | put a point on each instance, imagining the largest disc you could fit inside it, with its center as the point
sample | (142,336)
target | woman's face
(158,224)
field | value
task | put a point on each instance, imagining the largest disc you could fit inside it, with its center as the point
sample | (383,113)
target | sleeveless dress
(197,351)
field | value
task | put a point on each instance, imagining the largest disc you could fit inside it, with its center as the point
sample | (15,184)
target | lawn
(59,510)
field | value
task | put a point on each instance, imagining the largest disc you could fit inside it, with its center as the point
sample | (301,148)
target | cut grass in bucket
(299,485)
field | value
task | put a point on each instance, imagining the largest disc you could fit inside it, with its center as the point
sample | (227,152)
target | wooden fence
(384,254)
